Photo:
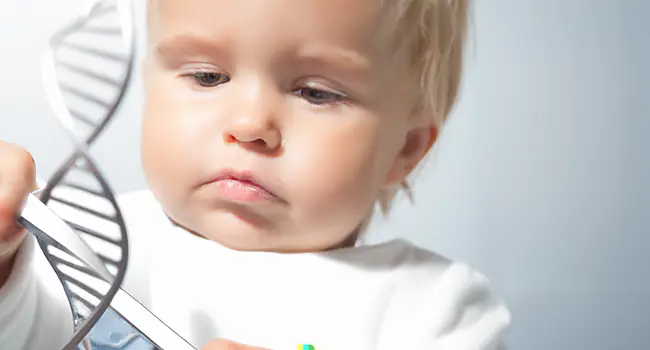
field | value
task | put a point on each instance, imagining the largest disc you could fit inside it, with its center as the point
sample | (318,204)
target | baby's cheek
(166,155)
(335,181)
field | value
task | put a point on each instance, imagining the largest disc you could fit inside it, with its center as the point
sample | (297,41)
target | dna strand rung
(86,72)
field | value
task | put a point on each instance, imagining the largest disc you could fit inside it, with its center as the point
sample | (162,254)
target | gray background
(541,179)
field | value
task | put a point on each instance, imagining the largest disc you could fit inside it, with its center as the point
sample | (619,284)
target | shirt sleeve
(33,310)
(468,314)
(444,306)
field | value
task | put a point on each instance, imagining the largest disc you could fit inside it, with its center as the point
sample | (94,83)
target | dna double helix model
(87,69)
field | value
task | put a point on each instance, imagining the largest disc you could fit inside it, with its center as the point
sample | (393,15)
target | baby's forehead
(366,21)
(315,36)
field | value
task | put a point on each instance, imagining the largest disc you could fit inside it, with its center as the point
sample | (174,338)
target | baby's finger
(17,180)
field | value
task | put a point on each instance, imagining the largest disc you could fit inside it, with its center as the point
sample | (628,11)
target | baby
(271,129)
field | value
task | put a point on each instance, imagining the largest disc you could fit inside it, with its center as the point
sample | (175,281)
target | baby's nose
(258,134)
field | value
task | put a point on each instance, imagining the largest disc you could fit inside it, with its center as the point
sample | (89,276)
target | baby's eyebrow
(332,55)
(188,45)
(331,58)
(310,57)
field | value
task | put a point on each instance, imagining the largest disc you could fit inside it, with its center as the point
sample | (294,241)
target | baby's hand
(17,180)
(220,344)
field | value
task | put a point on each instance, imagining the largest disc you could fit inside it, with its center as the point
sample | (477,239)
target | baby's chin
(236,233)
(240,233)
(245,233)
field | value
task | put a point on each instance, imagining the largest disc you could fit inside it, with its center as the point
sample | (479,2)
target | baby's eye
(319,97)
(210,79)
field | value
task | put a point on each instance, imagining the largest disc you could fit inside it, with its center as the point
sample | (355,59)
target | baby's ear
(420,137)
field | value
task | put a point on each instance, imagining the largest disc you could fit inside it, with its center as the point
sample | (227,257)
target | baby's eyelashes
(319,97)
(209,79)
(313,93)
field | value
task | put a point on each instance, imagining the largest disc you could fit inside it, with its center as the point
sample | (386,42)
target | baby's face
(272,125)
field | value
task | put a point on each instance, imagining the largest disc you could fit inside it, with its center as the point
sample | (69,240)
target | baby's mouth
(241,187)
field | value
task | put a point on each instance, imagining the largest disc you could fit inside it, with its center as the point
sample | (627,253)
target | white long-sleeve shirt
(389,296)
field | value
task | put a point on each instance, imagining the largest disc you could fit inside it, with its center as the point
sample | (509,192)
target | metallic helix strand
(87,69)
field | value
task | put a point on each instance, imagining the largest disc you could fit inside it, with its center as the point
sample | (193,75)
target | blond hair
(437,31)
(433,32)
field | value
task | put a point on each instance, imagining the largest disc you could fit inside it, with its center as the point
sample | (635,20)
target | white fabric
(383,297)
